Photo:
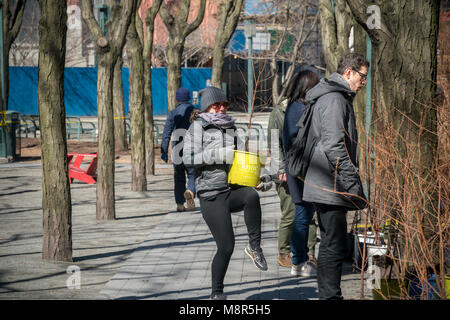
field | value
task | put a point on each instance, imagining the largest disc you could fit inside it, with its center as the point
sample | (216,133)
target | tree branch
(88,17)
(194,25)
(359,11)
(16,20)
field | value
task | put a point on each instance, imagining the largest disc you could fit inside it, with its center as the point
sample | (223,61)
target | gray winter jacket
(203,150)
(334,165)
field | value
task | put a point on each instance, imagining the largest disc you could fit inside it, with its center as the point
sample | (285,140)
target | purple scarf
(221,120)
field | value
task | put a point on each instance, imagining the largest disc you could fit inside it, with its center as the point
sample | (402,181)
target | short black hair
(352,60)
(300,84)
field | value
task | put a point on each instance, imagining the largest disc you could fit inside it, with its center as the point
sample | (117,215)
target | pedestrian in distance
(302,264)
(178,122)
(332,181)
(209,148)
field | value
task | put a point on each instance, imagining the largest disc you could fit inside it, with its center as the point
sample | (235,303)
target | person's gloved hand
(265,184)
(164,157)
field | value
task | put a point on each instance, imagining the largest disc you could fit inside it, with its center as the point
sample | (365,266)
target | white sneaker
(295,270)
(305,269)
(308,269)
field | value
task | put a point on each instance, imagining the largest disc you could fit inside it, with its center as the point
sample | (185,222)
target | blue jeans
(299,237)
(179,175)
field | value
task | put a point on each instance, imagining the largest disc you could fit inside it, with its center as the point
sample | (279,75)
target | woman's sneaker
(305,269)
(257,257)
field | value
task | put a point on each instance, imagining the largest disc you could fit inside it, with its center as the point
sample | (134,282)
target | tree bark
(178,29)
(108,49)
(335,29)
(405,64)
(12,22)
(230,11)
(56,199)
(148,102)
(137,109)
(120,132)
(405,67)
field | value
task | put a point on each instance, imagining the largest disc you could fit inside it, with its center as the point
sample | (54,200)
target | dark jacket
(202,143)
(178,118)
(293,113)
(334,163)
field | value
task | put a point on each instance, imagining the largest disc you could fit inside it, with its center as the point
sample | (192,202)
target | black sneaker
(218,296)
(257,257)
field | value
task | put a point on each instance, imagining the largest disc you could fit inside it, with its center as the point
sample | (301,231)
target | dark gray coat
(334,165)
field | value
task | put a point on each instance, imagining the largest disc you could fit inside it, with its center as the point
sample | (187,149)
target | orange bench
(75,172)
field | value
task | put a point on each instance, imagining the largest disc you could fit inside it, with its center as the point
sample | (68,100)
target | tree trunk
(229,15)
(174,53)
(137,110)
(335,29)
(120,132)
(178,29)
(56,199)
(105,164)
(12,22)
(148,102)
(405,66)
(108,48)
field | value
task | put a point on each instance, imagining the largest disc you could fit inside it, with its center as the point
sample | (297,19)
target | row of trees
(125,25)
(403,64)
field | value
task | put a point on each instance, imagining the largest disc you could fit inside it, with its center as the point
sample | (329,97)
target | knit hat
(211,95)
(182,95)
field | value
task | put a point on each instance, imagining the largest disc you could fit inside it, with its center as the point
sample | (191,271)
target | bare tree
(296,22)
(12,20)
(108,48)
(336,21)
(405,81)
(147,42)
(175,17)
(230,11)
(56,199)
(120,133)
(137,108)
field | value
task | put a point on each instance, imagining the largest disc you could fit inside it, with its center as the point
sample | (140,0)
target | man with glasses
(332,182)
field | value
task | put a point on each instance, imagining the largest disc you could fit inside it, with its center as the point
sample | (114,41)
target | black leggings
(217,213)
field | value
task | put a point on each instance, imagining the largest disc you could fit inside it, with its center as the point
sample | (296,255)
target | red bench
(75,172)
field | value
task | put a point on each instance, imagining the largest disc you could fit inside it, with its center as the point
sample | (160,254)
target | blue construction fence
(80,89)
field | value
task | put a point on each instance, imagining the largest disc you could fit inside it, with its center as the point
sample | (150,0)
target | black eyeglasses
(363,75)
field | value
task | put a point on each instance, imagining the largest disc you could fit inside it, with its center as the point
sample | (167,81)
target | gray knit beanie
(211,95)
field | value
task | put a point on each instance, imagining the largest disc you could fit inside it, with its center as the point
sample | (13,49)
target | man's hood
(335,83)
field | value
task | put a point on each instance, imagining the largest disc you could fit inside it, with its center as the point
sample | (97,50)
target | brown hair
(194,115)
(352,60)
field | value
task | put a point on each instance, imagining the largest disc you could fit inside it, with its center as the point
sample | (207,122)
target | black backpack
(300,153)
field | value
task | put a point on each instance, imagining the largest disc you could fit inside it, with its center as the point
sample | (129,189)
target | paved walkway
(149,252)
(174,263)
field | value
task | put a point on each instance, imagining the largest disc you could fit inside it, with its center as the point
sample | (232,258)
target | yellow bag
(246,169)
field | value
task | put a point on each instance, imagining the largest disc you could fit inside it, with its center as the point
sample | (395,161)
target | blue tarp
(80,89)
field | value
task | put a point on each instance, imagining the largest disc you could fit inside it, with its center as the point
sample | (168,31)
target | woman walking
(300,84)
(209,148)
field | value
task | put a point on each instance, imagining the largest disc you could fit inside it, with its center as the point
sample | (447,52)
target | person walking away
(332,182)
(177,119)
(304,211)
(275,125)
(209,148)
